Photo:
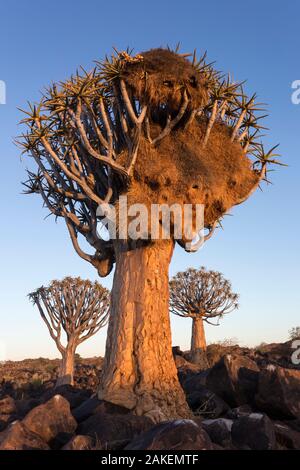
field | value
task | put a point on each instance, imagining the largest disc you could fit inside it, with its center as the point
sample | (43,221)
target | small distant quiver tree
(294,333)
(77,307)
(160,128)
(204,296)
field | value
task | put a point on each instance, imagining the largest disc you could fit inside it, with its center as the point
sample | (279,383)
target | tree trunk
(139,371)
(198,343)
(66,371)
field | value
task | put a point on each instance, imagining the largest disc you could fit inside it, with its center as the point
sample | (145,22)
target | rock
(177,351)
(279,392)
(5,420)
(215,352)
(286,437)
(106,428)
(79,442)
(93,406)
(181,434)
(277,354)
(219,430)
(24,406)
(206,403)
(18,437)
(293,424)
(234,378)
(50,419)
(193,381)
(235,413)
(75,396)
(199,358)
(181,362)
(7,406)
(255,431)
(61,440)
(8,411)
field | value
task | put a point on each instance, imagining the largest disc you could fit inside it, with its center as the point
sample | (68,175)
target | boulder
(193,381)
(286,437)
(234,378)
(50,419)
(255,431)
(279,392)
(75,396)
(93,406)
(219,430)
(79,442)
(206,403)
(108,428)
(279,354)
(24,406)
(215,352)
(5,420)
(7,406)
(183,434)
(8,411)
(18,437)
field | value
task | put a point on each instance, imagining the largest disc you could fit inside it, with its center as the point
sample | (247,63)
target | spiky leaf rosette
(156,126)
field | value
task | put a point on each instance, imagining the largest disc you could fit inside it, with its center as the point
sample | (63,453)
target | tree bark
(66,371)
(198,342)
(139,371)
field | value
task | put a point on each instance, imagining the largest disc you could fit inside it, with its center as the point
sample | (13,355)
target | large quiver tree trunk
(139,370)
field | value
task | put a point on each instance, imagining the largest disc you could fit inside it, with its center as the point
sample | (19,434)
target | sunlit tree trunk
(198,342)
(139,370)
(66,371)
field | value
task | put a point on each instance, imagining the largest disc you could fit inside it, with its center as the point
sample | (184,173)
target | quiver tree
(158,128)
(73,310)
(204,296)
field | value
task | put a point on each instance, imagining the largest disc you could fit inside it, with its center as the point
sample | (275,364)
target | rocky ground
(241,399)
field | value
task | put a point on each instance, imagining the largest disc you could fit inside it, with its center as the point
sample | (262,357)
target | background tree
(160,128)
(77,307)
(294,333)
(204,296)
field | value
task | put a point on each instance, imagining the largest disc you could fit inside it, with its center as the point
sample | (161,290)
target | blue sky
(258,250)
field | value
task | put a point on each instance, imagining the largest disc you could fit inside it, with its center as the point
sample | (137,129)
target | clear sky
(258,250)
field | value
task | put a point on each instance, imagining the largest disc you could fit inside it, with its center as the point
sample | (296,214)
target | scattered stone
(50,419)
(255,431)
(183,434)
(79,442)
(279,392)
